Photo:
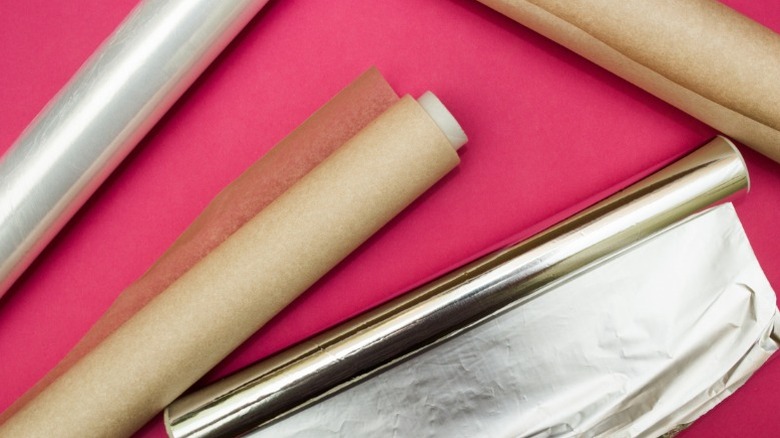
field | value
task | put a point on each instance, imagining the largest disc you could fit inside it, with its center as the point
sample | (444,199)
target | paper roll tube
(698,55)
(102,113)
(240,285)
(325,131)
(461,299)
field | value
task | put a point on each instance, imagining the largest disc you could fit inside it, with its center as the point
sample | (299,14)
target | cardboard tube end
(444,119)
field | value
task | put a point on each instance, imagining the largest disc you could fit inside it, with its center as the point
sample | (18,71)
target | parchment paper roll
(466,297)
(102,113)
(698,55)
(308,145)
(241,284)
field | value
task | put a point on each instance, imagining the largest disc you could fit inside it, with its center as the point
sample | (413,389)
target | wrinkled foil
(464,299)
(642,342)
(102,113)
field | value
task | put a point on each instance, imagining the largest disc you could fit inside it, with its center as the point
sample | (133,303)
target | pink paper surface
(547,129)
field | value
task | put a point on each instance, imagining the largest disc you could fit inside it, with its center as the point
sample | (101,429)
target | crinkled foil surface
(642,342)
(466,297)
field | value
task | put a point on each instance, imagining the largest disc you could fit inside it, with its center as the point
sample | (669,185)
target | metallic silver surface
(633,347)
(460,300)
(102,113)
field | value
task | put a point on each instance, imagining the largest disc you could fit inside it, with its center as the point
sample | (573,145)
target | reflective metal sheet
(102,113)
(638,345)
(462,299)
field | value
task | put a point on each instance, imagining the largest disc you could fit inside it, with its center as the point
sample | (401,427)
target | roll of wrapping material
(102,113)
(636,346)
(460,300)
(325,131)
(698,55)
(235,289)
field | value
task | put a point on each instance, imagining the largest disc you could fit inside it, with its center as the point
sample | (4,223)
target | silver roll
(462,299)
(102,113)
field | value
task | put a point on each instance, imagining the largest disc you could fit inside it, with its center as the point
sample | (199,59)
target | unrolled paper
(698,55)
(102,113)
(468,296)
(235,289)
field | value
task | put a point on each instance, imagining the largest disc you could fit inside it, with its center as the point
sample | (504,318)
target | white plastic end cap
(444,119)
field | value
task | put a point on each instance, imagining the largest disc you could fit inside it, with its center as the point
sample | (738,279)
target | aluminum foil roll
(102,113)
(468,296)
(637,346)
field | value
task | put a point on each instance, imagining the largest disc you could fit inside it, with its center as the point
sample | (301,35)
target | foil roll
(102,113)
(676,322)
(458,301)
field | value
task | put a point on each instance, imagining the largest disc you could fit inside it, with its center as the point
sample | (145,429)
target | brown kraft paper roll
(304,148)
(235,289)
(698,55)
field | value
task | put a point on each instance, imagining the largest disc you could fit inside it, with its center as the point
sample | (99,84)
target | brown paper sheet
(326,130)
(240,285)
(698,55)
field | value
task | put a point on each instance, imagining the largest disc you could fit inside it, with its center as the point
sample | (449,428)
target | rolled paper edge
(741,126)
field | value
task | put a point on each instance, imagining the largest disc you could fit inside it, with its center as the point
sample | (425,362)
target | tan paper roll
(303,149)
(698,55)
(240,285)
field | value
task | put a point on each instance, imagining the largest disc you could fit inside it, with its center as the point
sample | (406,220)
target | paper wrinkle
(646,341)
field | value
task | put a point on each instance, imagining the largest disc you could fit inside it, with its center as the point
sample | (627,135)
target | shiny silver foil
(636,346)
(463,299)
(102,113)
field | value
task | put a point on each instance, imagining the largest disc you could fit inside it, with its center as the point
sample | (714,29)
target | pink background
(548,130)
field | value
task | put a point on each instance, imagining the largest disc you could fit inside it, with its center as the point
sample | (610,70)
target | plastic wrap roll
(462,299)
(102,113)
(698,55)
(241,284)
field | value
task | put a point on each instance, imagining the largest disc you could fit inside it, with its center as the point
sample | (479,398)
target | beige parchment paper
(698,55)
(237,287)
(309,144)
